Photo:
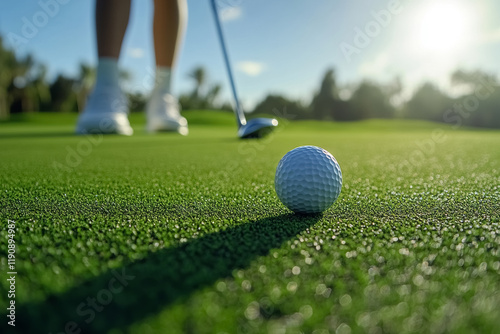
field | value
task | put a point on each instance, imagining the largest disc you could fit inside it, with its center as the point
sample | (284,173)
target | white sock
(163,80)
(107,73)
(106,96)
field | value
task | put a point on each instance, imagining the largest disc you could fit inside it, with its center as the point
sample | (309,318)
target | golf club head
(257,128)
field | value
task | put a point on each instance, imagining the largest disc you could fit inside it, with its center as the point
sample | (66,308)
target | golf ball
(308,179)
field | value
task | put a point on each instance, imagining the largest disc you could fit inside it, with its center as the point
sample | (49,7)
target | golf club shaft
(240,116)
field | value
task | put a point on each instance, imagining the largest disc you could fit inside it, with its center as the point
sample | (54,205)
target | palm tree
(7,64)
(200,76)
(39,88)
(212,95)
(84,84)
(63,95)
(20,89)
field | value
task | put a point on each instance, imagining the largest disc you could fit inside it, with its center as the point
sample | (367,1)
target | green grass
(410,246)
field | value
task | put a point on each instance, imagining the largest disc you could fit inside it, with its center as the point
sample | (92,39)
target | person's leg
(170,17)
(111,20)
(106,109)
(169,24)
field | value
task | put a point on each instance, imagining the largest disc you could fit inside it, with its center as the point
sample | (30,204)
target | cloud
(230,13)
(250,68)
(136,52)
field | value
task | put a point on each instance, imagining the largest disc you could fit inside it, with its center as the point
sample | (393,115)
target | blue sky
(281,46)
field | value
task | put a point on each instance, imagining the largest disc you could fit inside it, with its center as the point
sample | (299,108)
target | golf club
(254,128)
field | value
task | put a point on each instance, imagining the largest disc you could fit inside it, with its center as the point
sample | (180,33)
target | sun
(443,27)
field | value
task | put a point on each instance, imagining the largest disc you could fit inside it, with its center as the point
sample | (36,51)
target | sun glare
(443,27)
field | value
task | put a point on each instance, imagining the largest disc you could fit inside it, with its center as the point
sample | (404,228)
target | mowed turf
(170,234)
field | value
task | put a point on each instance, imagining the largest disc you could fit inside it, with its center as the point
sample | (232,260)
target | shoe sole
(116,123)
(168,127)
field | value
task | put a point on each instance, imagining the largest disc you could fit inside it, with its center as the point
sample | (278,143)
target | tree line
(24,87)
(476,103)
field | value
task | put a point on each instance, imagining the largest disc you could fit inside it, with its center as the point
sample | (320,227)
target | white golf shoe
(163,114)
(106,112)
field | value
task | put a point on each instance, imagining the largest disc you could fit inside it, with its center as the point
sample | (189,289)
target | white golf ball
(308,179)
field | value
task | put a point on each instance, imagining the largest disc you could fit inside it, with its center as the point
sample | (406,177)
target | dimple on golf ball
(308,179)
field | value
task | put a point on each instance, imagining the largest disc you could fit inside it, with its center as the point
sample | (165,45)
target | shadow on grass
(129,294)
